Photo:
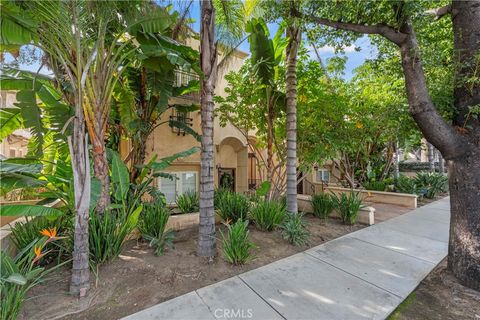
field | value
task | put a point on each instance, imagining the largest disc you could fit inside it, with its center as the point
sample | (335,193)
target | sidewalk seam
(388,291)
(261,297)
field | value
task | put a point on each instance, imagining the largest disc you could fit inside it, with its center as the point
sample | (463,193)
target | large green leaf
(16,28)
(15,175)
(29,210)
(32,117)
(120,177)
(16,278)
(185,127)
(166,162)
(10,120)
(192,86)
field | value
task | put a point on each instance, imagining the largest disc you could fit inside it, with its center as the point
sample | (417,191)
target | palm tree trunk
(294,36)
(431,157)
(100,168)
(208,61)
(270,116)
(78,145)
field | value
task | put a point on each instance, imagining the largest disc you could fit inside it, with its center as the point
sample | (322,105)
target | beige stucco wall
(230,143)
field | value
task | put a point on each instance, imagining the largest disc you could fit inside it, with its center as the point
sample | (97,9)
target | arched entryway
(231,162)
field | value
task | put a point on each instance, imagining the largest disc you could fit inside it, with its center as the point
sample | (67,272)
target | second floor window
(322,175)
(183,118)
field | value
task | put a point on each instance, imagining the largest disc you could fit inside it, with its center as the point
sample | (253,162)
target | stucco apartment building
(235,164)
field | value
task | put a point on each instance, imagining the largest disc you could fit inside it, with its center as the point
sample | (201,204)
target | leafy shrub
(236,245)
(19,275)
(24,233)
(434,183)
(108,233)
(294,230)
(348,205)
(152,225)
(375,185)
(406,184)
(233,206)
(323,205)
(268,214)
(218,196)
(188,202)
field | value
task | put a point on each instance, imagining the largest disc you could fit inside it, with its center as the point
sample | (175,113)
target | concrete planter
(366,215)
(186,220)
(399,199)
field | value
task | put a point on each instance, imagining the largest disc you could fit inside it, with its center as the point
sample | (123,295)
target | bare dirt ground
(139,279)
(440,297)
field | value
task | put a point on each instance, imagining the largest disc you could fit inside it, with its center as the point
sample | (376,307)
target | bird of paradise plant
(22,272)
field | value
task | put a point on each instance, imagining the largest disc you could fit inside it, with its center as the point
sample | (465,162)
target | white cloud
(330,49)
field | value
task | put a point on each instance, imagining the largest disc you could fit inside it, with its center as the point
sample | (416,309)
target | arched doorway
(231,165)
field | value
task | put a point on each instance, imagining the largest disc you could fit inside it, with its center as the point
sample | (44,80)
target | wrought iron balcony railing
(182,117)
(183,78)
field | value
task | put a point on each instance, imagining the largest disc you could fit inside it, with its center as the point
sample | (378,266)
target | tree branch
(381,29)
(440,12)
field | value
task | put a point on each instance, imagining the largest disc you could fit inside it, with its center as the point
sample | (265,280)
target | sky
(354,58)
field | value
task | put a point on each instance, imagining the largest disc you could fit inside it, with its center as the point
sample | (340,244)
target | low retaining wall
(6,220)
(399,199)
(366,215)
(186,220)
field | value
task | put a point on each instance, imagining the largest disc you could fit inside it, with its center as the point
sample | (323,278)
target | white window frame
(322,170)
(178,182)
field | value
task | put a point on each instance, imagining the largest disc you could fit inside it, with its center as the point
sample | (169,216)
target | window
(322,175)
(12,153)
(184,182)
(181,117)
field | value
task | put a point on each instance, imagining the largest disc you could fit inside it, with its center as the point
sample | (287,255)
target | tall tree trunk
(458,143)
(270,133)
(431,157)
(208,61)
(441,163)
(78,146)
(457,146)
(294,38)
(396,169)
(100,168)
(464,171)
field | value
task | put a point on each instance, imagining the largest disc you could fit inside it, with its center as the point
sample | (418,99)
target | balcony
(182,78)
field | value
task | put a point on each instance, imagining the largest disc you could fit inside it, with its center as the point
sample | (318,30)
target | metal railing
(181,117)
(183,78)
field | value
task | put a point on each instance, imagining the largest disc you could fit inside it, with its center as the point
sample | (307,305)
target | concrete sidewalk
(363,275)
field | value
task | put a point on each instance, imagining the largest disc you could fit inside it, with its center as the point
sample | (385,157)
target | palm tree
(208,63)
(59,42)
(230,20)
(267,54)
(294,38)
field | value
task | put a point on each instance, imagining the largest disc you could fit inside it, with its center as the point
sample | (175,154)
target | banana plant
(267,57)
(142,95)
(39,108)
